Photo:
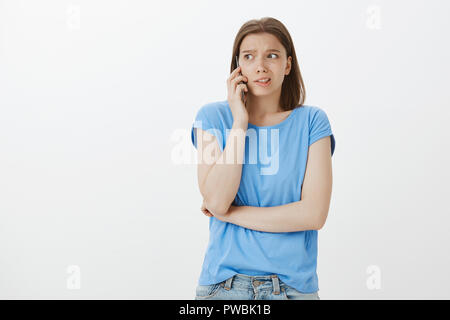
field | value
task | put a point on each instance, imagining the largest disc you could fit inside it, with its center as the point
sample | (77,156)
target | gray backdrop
(98,184)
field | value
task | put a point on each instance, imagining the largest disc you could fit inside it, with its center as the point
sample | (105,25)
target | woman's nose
(260,63)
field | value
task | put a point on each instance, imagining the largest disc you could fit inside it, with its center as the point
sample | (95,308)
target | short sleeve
(320,127)
(206,119)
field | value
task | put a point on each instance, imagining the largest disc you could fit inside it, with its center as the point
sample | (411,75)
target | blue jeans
(244,287)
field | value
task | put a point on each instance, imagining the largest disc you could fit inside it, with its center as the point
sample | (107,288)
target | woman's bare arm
(291,217)
(219,173)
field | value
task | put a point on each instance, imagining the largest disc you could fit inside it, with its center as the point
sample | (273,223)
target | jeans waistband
(243,280)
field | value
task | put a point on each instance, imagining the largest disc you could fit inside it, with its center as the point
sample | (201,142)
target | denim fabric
(244,287)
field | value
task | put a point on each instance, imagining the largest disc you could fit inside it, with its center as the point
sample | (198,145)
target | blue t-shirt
(272,175)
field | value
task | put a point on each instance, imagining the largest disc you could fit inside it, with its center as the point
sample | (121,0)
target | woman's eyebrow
(252,50)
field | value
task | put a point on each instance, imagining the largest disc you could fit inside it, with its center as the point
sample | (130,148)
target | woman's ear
(288,65)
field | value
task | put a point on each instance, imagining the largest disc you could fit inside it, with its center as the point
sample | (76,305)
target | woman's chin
(257,93)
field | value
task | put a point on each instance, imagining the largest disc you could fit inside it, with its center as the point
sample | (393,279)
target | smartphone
(242,93)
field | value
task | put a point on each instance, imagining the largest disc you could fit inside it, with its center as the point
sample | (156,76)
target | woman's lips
(263,84)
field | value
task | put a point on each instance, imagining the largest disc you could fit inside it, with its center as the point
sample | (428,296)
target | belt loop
(276,284)
(228,283)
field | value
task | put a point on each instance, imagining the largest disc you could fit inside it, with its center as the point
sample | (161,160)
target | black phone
(240,73)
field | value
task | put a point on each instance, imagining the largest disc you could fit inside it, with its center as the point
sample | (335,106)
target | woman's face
(262,55)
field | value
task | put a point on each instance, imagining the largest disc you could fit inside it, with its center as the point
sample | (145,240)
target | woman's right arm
(220,176)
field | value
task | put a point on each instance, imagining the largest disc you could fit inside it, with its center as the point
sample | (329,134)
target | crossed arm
(310,213)
(290,217)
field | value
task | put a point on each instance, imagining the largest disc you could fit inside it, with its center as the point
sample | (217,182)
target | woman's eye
(245,56)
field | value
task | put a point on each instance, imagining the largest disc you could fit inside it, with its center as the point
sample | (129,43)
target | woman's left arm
(310,213)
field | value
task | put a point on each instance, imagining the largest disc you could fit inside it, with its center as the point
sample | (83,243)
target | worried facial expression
(263,56)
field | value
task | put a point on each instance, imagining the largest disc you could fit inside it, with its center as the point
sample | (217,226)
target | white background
(95,97)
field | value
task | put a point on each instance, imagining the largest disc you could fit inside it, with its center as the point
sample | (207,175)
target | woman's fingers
(205,211)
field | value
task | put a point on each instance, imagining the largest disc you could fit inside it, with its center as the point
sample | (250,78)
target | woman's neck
(263,107)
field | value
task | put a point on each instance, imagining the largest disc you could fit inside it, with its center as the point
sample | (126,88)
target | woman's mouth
(264,83)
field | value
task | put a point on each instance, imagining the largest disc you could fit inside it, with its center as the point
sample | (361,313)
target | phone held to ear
(242,92)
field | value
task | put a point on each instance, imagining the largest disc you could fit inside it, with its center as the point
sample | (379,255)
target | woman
(267,197)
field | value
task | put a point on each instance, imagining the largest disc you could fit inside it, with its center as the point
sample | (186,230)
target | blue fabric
(271,176)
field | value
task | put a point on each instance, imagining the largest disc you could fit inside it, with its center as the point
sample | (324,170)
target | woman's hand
(235,89)
(205,211)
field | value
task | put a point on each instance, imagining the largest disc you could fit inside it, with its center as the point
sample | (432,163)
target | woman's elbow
(216,208)
(320,223)
(221,210)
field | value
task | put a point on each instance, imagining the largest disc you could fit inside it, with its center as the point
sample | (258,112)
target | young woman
(264,172)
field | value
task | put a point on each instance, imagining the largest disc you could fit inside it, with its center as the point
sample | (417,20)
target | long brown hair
(293,89)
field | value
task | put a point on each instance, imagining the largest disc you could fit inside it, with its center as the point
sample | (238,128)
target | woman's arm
(309,213)
(294,216)
(220,176)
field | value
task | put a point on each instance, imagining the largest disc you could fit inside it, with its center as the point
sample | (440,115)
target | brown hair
(293,89)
